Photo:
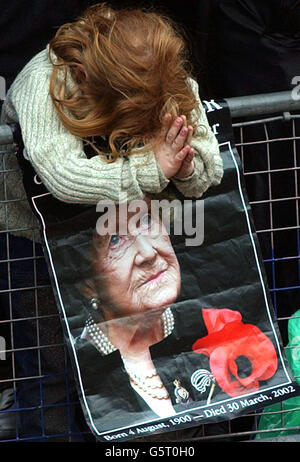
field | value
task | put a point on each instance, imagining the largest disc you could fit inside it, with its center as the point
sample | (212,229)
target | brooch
(201,379)
(181,394)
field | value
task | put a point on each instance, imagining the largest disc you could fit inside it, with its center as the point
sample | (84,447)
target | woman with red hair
(121,76)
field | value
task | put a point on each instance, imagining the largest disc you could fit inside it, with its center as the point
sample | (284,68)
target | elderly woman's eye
(146,220)
(114,240)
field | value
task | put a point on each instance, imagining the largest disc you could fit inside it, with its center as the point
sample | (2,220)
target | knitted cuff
(149,175)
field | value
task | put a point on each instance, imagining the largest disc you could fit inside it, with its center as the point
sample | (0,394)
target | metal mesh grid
(270,155)
(269,151)
(37,400)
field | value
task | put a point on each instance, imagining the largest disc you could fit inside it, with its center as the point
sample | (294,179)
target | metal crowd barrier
(267,135)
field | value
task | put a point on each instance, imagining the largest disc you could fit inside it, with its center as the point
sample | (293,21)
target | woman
(137,277)
(119,75)
(132,351)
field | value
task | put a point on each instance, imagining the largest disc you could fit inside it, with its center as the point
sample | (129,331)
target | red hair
(129,69)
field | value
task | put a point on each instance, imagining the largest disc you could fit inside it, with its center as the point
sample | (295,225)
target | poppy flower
(240,355)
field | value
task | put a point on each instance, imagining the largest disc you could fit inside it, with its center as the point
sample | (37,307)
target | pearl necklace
(98,337)
(149,383)
(104,345)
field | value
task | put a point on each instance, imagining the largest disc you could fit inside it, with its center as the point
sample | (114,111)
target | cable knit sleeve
(58,156)
(208,163)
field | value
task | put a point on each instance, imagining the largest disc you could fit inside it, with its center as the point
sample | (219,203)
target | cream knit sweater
(60,162)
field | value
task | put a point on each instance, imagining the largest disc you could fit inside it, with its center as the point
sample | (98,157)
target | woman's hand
(173,154)
(187,166)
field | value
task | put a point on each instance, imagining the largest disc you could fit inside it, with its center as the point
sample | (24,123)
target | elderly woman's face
(136,272)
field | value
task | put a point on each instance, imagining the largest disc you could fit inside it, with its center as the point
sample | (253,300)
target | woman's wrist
(184,178)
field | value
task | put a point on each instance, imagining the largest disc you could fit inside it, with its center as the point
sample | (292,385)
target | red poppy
(240,355)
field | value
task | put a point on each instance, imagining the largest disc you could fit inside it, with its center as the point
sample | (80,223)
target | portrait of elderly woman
(143,354)
(136,279)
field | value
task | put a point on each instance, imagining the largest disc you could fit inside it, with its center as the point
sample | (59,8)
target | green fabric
(287,413)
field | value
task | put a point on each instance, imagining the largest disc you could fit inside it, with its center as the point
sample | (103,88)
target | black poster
(165,306)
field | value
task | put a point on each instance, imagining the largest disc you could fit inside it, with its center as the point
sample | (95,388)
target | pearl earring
(94,303)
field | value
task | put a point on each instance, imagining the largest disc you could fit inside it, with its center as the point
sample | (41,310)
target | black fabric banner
(199,293)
